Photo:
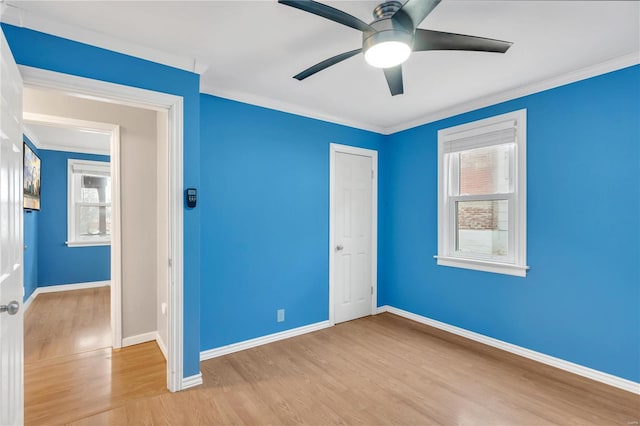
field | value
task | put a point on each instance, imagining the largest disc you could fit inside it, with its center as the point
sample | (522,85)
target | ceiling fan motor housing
(391,27)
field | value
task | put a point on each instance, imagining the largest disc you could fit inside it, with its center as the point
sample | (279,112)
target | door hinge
(371,173)
(170,263)
(372,290)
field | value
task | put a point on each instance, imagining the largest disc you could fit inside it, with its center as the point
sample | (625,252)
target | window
(482,195)
(89,203)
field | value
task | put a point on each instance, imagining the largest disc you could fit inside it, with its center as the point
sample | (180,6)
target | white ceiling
(249,51)
(47,136)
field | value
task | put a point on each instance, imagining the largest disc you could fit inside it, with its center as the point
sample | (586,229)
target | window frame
(515,262)
(101,168)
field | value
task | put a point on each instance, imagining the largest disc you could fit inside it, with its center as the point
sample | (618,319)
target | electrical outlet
(280,315)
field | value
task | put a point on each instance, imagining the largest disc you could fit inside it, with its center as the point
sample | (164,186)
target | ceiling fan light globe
(387,54)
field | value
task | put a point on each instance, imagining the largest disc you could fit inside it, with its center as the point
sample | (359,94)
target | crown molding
(18,17)
(493,99)
(69,123)
(288,107)
(65,148)
(32,137)
(15,16)
(521,91)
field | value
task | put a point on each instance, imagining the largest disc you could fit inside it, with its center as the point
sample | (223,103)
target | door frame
(173,106)
(116,238)
(335,148)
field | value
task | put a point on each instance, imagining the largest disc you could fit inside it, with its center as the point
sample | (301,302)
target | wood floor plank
(381,370)
(70,370)
(67,322)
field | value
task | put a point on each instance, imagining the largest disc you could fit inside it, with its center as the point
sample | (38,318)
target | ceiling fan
(391,37)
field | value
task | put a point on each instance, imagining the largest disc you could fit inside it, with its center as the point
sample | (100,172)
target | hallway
(71,372)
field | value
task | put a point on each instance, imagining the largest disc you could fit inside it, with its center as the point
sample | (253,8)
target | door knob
(339,247)
(12,308)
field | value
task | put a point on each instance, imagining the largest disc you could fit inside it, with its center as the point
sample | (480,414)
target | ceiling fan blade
(329,13)
(326,64)
(438,40)
(418,9)
(394,79)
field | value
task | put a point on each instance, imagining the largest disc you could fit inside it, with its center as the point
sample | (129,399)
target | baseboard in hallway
(139,338)
(63,287)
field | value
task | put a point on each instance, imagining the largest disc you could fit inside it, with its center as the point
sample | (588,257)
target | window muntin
(89,203)
(481,206)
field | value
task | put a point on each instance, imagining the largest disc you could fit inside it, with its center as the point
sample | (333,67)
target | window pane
(486,170)
(94,221)
(482,227)
(95,189)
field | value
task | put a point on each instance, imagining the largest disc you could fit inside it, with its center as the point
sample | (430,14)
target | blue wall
(57,263)
(30,232)
(265,198)
(48,52)
(580,299)
(265,191)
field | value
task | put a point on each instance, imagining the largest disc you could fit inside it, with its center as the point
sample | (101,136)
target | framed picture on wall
(31,177)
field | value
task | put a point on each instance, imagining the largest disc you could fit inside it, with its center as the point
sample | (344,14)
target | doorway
(171,107)
(353,205)
(80,249)
(75,249)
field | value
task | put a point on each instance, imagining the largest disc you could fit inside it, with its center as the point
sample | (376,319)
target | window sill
(87,243)
(483,265)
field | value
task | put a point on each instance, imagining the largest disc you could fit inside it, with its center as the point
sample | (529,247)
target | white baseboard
(161,345)
(258,341)
(63,287)
(382,309)
(69,287)
(28,302)
(139,338)
(580,370)
(191,381)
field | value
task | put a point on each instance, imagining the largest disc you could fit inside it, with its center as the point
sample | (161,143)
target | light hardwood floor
(70,370)
(380,370)
(67,322)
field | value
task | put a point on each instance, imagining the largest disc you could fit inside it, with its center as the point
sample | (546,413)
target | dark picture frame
(31,179)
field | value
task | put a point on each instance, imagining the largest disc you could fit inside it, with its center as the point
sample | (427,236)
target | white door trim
(333,149)
(132,96)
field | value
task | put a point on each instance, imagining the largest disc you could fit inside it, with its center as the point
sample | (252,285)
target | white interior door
(352,236)
(11,246)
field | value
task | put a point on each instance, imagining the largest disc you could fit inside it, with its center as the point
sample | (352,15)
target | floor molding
(191,381)
(252,343)
(139,338)
(161,345)
(580,370)
(63,287)
(28,302)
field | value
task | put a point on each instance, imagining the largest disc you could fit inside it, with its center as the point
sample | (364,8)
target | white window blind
(86,168)
(492,137)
